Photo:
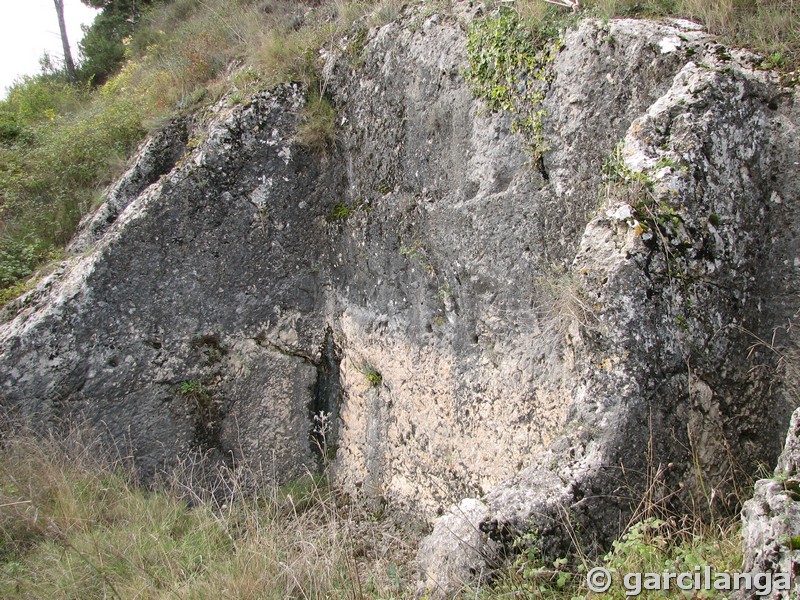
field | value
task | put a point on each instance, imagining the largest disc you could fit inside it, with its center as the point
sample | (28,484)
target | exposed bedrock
(431,316)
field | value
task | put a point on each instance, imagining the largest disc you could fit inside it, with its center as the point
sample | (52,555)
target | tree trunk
(69,65)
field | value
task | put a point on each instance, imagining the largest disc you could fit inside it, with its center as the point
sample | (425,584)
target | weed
(193,389)
(339,212)
(662,225)
(372,375)
(317,128)
(322,436)
(15,291)
(508,68)
(384,187)
(386,12)
(565,303)
(415,251)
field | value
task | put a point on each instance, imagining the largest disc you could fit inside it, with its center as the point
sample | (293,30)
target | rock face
(447,319)
(770,522)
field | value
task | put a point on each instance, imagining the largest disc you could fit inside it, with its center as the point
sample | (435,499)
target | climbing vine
(509,61)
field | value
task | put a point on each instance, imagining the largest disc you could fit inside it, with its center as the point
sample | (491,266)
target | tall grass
(770,27)
(76,525)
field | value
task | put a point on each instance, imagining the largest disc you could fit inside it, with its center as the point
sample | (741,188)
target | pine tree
(69,65)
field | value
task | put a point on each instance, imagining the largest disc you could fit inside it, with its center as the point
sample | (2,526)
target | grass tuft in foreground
(73,525)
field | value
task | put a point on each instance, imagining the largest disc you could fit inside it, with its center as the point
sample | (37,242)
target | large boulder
(431,313)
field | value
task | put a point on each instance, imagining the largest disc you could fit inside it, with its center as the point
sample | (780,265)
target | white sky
(28,28)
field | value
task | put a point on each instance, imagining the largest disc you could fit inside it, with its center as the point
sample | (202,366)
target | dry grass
(317,129)
(769,27)
(76,525)
(563,308)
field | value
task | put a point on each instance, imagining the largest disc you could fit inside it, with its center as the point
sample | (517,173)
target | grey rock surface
(155,158)
(458,550)
(524,341)
(163,336)
(770,525)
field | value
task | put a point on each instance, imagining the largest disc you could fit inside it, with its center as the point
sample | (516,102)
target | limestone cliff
(544,339)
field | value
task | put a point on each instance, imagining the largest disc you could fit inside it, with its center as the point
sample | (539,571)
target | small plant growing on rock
(373,376)
(322,436)
(566,302)
(194,389)
(317,129)
(339,212)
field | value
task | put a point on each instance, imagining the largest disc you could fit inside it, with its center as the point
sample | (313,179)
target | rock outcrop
(770,525)
(434,316)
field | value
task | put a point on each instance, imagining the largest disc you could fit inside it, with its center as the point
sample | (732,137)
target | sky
(28,28)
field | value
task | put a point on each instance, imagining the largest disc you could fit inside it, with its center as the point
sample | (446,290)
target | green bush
(42,98)
(50,173)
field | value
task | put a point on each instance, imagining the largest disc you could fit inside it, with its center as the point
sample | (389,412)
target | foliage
(508,68)
(102,51)
(55,152)
(103,44)
(60,144)
(374,378)
(661,223)
(651,545)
